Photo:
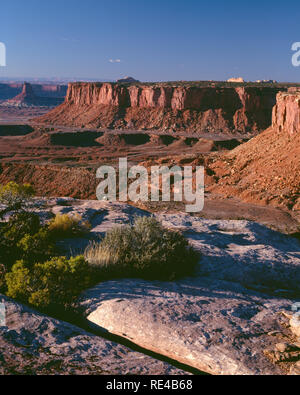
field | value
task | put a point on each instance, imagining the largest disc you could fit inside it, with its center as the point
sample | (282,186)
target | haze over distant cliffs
(34,93)
(29,98)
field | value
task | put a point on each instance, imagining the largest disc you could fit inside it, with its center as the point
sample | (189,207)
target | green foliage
(21,224)
(144,250)
(15,197)
(36,248)
(18,282)
(22,237)
(55,283)
(65,226)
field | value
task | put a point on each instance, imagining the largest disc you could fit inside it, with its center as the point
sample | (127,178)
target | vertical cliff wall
(286,113)
(163,107)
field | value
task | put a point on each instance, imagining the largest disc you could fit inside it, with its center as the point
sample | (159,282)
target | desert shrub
(15,197)
(53,284)
(21,224)
(145,250)
(36,248)
(23,237)
(65,226)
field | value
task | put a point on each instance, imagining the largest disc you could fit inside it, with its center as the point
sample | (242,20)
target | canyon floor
(62,161)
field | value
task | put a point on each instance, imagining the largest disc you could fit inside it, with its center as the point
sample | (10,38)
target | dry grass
(144,250)
(65,226)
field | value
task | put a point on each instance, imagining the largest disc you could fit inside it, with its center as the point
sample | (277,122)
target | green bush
(15,197)
(23,237)
(53,284)
(21,224)
(65,226)
(36,248)
(145,250)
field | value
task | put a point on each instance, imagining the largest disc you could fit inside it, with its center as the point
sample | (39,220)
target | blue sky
(151,40)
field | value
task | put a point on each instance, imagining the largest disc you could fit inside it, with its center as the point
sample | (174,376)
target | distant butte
(128,80)
(28,98)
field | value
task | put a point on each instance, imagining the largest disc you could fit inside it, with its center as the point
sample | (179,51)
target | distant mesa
(240,80)
(127,80)
(168,107)
(236,80)
(266,82)
(28,98)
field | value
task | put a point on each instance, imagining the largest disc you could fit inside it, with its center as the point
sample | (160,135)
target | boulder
(215,326)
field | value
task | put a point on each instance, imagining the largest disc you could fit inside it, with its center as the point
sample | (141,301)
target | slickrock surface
(218,321)
(32,343)
(240,251)
(227,319)
(218,327)
(165,107)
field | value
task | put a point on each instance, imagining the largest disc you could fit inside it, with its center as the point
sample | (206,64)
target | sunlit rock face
(166,107)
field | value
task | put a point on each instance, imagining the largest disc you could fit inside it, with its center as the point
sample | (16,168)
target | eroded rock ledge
(165,107)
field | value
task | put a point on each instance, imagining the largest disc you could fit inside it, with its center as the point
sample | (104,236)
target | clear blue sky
(151,40)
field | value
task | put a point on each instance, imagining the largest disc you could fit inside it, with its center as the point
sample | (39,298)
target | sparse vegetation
(23,237)
(15,197)
(65,226)
(31,271)
(53,284)
(145,250)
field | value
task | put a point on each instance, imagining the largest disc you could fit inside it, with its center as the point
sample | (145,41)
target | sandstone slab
(220,320)
(212,325)
(32,343)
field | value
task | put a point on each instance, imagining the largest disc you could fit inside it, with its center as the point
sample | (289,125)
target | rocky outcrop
(165,107)
(286,113)
(214,326)
(222,320)
(26,96)
(266,170)
(226,319)
(34,344)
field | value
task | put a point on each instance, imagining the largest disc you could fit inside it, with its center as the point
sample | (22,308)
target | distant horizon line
(80,79)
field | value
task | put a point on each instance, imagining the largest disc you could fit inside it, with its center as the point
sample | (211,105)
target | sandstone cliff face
(286,113)
(164,107)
